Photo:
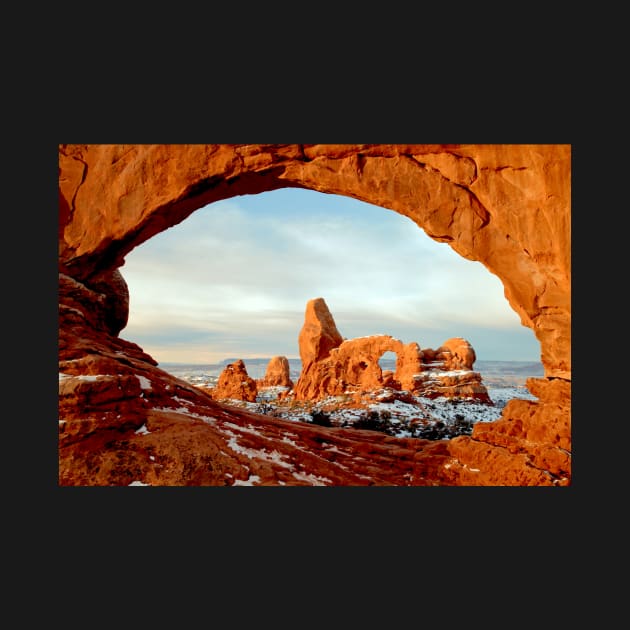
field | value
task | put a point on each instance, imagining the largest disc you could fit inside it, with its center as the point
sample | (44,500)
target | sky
(233,279)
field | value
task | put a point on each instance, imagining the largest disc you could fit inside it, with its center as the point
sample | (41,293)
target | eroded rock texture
(122,419)
(277,374)
(234,382)
(351,366)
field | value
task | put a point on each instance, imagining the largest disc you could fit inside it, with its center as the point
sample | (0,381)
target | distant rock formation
(235,383)
(319,334)
(454,354)
(334,367)
(278,374)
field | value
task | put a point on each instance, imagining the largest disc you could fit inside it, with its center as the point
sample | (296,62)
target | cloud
(235,277)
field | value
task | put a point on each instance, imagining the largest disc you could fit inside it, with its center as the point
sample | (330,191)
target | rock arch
(336,367)
(506,206)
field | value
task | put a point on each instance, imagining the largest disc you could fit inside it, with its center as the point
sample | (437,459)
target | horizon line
(298,359)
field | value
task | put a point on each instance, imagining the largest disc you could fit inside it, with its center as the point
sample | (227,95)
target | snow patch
(273,456)
(288,440)
(183,400)
(248,429)
(444,373)
(250,481)
(84,377)
(312,479)
(145,383)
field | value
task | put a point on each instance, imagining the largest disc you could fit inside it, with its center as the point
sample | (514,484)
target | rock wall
(507,206)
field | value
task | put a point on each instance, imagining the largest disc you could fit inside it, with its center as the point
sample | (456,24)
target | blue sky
(232,281)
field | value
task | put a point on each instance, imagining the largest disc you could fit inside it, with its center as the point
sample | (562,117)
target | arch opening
(387,360)
(267,254)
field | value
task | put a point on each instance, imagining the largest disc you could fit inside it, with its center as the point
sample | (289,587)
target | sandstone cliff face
(507,206)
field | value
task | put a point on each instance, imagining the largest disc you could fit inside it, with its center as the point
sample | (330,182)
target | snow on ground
(447,409)
(438,418)
(249,482)
(270,393)
(84,377)
(270,456)
(145,383)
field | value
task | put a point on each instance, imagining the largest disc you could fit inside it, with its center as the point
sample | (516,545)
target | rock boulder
(277,374)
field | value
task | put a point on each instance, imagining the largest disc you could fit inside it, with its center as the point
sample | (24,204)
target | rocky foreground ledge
(129,423)
(143,426)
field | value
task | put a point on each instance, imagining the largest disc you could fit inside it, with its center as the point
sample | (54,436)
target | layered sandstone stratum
(122,420)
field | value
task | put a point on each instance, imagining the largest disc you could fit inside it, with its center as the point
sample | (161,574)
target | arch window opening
(232,280)
(387,361)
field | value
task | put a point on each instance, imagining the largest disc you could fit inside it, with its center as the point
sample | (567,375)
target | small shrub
(371,421)
(321,418)
(462,426)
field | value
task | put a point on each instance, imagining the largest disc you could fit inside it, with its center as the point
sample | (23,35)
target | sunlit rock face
(507,206)
(277,374)
(529,445)
(351,367)
(235,383)
(448,371)
(319,334)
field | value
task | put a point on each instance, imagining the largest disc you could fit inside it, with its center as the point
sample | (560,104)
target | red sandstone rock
(319,334)
(235,383)
(229,447)
(352,367)
(277,374)
(456,354)
(507,206)
(453,384)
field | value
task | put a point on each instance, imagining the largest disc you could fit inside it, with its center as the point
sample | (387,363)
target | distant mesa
(334,366)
